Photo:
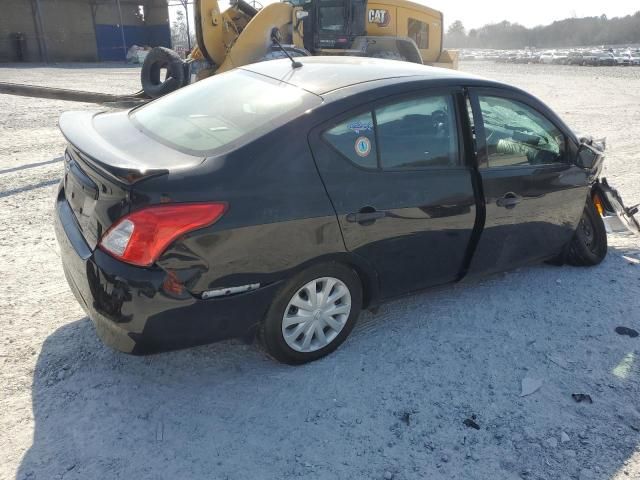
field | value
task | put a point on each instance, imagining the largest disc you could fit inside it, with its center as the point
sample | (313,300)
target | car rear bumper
(130,307)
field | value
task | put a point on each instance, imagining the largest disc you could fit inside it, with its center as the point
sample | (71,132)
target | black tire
(271,328)
(589,244)
(157,59)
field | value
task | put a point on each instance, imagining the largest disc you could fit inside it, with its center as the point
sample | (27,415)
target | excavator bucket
(448,59)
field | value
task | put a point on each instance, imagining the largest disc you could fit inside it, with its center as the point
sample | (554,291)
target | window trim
(481,138)
(371,107)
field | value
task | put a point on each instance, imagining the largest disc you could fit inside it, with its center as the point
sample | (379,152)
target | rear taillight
(142,236)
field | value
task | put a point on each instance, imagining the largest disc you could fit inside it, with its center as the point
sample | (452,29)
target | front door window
(517,135)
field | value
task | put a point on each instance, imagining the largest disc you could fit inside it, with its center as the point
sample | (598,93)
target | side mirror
(588,157)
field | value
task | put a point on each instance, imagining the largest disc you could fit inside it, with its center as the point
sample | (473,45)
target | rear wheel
(589,244)
(313,314)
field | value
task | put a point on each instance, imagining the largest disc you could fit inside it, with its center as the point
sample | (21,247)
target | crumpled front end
(608,201)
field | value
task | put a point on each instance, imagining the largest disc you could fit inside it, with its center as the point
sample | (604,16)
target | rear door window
(410,134)
(355,139)
(417,133)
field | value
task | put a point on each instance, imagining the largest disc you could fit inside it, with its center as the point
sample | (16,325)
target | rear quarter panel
(279,216)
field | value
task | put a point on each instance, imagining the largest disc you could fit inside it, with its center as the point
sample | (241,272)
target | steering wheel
(255,4)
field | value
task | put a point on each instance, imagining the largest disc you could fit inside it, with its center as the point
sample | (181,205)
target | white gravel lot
(390,403)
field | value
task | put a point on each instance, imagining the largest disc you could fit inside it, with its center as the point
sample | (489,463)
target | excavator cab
(363,28)
(332,24)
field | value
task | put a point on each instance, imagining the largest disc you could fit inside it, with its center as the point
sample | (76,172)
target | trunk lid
(95,199)
(105,158)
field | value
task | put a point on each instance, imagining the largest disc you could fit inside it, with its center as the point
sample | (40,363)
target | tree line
(571,32)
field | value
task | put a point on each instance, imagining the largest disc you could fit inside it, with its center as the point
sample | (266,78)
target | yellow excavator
(245,33)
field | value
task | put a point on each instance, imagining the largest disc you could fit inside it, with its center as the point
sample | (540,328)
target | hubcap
(316,314)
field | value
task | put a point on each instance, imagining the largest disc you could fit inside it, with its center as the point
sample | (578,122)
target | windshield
(332,19)
(222,111)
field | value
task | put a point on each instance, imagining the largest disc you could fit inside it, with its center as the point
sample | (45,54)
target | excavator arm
(241,34)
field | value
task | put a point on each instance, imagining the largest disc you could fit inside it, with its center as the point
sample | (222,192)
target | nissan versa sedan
(279,201)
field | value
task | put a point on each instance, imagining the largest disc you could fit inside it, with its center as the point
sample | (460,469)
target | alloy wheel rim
(316,314)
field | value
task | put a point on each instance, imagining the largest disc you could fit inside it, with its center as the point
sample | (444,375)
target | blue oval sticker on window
(363,146)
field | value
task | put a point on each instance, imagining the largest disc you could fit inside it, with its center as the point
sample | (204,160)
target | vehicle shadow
(31,165)
(27,188)
(392,400)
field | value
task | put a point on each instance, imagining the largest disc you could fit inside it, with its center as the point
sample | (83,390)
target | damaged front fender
(617,217)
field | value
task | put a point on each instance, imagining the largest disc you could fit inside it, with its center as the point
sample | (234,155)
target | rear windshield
(221,112)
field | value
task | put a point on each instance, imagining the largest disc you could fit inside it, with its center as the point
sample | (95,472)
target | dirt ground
(389,404)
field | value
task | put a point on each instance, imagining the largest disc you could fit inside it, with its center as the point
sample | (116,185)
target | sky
(477,13)
(474,14)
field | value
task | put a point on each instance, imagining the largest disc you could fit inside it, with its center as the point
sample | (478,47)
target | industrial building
(80,30)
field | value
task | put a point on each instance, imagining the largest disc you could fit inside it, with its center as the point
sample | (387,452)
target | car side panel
(429,215)
(279,216)
(553,198)
(536,229)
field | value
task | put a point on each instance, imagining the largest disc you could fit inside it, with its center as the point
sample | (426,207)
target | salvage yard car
(280,201)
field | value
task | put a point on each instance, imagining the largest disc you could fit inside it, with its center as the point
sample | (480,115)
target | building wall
(17,17)
(69,32)
(72,33)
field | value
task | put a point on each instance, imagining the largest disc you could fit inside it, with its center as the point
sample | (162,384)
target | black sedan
(281,201)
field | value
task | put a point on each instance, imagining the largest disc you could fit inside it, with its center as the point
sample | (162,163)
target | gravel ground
(389,404)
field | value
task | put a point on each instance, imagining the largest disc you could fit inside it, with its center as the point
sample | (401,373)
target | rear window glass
(222,111)
(355,139)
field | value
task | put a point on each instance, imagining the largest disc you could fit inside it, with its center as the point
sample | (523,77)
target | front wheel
(313,314)
(589,244)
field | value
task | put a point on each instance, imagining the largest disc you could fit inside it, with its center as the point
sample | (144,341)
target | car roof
(321,75)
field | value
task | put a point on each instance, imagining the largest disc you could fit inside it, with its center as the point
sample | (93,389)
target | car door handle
(509,200)
(365,216)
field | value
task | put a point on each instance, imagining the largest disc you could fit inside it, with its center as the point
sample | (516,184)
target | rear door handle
(365,217)
(509,200)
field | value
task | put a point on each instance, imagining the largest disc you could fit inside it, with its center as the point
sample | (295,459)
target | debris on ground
(405,417)
(471,423)
(552,442)
(582,397)
(630,332)
(530,385)
(631,260)
(564,438)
